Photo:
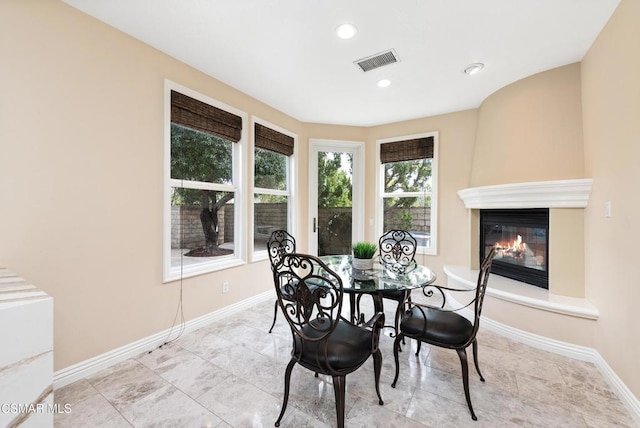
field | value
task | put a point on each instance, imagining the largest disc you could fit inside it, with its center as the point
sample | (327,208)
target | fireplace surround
(521,239)
(565,200)
(517,304)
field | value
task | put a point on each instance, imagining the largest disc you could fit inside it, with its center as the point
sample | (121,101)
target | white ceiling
(286,53)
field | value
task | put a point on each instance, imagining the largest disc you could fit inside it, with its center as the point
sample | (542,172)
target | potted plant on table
(363,253)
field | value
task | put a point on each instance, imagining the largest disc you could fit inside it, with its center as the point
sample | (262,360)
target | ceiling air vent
(378,60)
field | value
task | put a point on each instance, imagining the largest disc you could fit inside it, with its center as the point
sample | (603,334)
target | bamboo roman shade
(203,117)
(268,139)
(397,151)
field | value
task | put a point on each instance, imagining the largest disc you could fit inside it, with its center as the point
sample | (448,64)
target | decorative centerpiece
(363,253)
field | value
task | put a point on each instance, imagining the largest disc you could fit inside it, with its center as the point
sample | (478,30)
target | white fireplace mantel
(539,194)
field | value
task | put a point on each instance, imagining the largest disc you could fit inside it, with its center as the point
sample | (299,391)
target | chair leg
(399,310)
(462,353)
(396,349)
(377,368)
(419,346)
(287,383)
(356,311)
(275,312)
(475,358)
(339,388)
(396,324)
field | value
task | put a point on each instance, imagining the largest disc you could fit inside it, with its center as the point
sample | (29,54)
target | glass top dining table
(378,280)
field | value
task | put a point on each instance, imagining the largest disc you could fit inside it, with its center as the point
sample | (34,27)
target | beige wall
(531,130)
(611,108)
(85,131)
(456,134)
(566,252)
(81,155)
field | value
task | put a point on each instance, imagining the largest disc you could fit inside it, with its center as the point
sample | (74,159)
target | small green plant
(364,250)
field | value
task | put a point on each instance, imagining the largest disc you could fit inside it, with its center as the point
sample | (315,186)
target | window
(407,187)
(272,205)
(202,191)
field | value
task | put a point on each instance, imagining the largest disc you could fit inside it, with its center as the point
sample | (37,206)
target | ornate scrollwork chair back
(444,327)
(310,296)
(397,252)
(280,243)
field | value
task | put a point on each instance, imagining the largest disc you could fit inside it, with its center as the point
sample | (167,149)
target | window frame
(238,258)
(289,193)
(381,194)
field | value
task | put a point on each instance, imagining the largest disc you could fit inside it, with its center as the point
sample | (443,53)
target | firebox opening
(521,238)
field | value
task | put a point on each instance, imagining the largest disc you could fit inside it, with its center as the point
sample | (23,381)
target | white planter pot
(362,264)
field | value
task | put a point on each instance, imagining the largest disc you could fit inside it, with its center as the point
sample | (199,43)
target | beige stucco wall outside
(611,108)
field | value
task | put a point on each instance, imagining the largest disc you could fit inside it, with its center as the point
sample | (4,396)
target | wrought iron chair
(397,251)
(310,296)
(443,327)
(280,243)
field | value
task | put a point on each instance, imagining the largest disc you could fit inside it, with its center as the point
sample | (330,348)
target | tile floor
(230,374)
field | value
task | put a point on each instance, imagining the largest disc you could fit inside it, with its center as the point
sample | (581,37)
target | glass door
(335,196)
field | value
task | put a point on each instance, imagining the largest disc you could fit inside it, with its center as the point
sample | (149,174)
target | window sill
(522,294)
(190,271)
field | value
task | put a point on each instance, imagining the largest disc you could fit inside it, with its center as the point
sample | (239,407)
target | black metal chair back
(481,289)
(397,249)
(310,296)
(280,243)
(444,327)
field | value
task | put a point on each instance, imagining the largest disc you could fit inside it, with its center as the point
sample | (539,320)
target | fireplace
(521,237)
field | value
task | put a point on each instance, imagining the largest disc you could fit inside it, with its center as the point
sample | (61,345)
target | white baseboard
(93,365)
(576,352)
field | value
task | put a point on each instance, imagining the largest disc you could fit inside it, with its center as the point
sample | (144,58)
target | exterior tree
(270,170)
(401,178)
(334,191)
(334,187)
(201,157)
(196,156)
(407,176)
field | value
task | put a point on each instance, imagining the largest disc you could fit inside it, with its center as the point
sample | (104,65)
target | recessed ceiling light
(384,83)
(346,31)
(474,68)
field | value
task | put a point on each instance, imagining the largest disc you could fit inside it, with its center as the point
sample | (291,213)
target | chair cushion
(348,347)
(443,328)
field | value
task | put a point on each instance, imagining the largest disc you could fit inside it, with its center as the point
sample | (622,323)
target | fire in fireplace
(521,240)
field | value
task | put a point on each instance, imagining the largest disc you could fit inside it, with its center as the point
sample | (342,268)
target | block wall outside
(186,228)
(187,232)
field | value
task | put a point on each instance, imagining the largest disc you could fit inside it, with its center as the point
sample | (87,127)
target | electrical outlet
(225,287)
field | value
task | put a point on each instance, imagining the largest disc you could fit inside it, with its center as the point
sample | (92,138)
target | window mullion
(406,194)
(201,185)
(274,192)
